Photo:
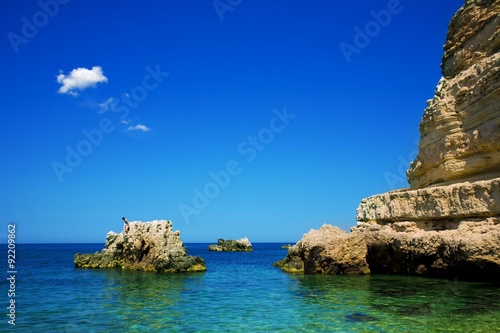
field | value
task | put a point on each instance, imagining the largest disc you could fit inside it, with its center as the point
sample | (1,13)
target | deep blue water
(240,292)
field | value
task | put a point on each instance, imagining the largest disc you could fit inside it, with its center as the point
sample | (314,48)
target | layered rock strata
(146,246)
(480,199)
(460,129)
(467,248)
(448,222)
(231,245)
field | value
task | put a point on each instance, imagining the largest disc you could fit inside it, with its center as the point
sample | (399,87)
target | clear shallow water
(240,292)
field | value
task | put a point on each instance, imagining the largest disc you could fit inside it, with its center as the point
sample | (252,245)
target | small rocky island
(143,246)
(231,245)
(447,224)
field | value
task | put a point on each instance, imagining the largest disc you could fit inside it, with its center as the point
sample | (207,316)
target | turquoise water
(240,292)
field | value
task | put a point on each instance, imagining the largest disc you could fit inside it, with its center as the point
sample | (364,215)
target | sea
(239,292)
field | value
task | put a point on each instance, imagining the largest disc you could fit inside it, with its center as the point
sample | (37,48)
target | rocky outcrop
(460,129)
(147,246)
(328,250)
(448,222)
(231,245)
(437,203)
(444,231)
(468,248)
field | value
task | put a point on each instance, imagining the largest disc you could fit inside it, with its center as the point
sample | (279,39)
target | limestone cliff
(438,203)
(469,248)
(448,222)
(460,129)
(146,246)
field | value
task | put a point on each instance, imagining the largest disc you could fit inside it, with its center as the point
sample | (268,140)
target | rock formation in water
(448,222)
(231,245)
(147,246)
(328,250)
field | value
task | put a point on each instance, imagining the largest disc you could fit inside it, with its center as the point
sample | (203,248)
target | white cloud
(79,79)
(104,106)
(138,127)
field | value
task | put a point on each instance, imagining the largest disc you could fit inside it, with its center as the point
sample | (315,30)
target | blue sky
(231,118)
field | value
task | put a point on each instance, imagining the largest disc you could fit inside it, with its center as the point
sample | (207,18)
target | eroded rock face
(468,248)
(147,246)
(437,203)
(448,223)
(328,250)
(460,129)
(445,231)
(231,245)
